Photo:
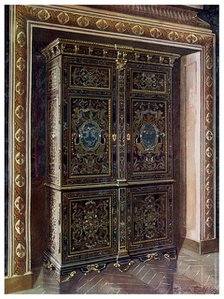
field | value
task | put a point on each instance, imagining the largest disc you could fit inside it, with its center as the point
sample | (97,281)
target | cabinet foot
(93,267)
(123,267)
(48,265)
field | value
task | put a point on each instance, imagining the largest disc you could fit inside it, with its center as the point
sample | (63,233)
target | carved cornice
(75,47)
(168,13)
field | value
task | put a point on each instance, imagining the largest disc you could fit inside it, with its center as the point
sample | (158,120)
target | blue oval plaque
(90,135)
(149,136)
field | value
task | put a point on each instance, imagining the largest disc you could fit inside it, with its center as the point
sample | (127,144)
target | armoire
(131,167)
(109,165)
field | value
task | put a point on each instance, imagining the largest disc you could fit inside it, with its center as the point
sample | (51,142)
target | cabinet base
(122,262)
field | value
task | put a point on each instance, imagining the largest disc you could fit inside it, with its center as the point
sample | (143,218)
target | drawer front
(150,217)
(89,225)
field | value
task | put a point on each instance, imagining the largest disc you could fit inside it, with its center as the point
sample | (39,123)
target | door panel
(89,224)
(150,217)
(89,121)
(149,117)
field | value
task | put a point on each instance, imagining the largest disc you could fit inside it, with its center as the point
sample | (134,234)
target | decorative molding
(180,15)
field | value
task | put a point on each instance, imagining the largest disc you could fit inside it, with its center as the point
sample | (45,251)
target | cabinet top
(107,51)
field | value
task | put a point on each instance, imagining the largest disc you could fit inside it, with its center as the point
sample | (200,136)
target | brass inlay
(114,137)
(72,252)
(109,139)
(87,66)
(167,139)
(164,91)
(165,192)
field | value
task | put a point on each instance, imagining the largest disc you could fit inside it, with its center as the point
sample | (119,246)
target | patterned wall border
(81,20)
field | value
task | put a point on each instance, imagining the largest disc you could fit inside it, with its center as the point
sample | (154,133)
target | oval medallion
(90,136)
(149,136)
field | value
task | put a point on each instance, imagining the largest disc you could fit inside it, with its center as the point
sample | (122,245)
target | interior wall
(190,146)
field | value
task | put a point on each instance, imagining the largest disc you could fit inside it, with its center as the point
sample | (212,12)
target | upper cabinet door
(150,122)
(88,121)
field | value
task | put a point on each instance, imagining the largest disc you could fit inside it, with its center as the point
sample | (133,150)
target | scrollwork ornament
(63,18)
(19,111)
(19,158)
(21,39)
(209,222)
(173,35)
(137,30)
(155,32)
(19,204)
(209,152)
(83,21)
(209,135)
(43,15)
(121,27)
(20,180)
(20,135)
(209,118)
(20,89)
(19,227)
(209,169)
(20,250)
(20,64)
(102,24)
(192,38)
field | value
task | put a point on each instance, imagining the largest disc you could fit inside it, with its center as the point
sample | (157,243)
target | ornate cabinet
(109,155)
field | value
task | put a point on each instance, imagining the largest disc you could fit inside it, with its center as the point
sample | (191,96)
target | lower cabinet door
(149,218)
(89,226)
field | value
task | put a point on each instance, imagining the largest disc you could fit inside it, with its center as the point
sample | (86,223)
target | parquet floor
(195,274)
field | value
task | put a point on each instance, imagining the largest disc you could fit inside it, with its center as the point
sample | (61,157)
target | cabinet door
(88,121)
(89,225)
(150,122)
(150,217)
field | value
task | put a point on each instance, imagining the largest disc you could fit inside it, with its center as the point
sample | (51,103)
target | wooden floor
(195,274)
